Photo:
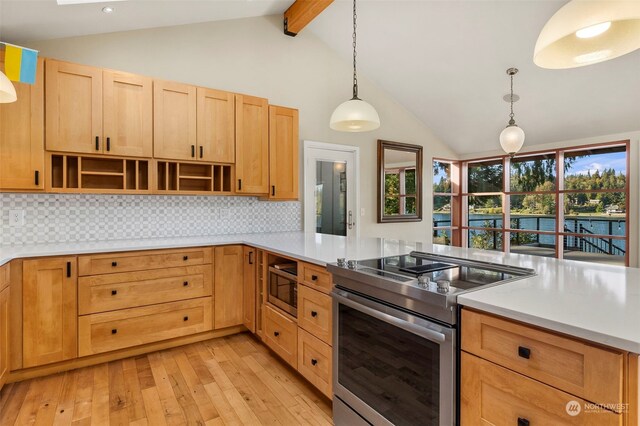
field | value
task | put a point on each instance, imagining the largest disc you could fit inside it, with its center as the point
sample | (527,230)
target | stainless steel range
(394,336)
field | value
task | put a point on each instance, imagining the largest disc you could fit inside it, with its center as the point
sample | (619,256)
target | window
(446,219)
(567,203)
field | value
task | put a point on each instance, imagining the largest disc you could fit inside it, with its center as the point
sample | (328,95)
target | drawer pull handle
(185,284)
(524,352)
(68,269)
(185,257)
(522,421)
(314,314)
(97,143)
(114,292)
(108,144)
(201,152)
(114,264)
(185,319)
(314,278)
(114,331)
(193,150)
(37,178)
(276,333)
(314,361)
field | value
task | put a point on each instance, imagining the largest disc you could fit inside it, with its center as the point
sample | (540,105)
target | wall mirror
(399,182)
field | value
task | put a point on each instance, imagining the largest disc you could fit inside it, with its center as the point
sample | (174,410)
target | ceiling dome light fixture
(585,32)
(512,137)
(108,9)
(354,115)
(7,90)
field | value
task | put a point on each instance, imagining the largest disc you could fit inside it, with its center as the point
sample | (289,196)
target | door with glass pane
(331,193)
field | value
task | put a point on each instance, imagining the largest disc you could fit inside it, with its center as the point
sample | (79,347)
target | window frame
(455,176)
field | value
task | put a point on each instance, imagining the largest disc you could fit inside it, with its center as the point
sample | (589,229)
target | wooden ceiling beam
(301,13)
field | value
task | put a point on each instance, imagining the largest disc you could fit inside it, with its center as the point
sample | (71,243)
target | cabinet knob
(114,331)
(185,257)
(114,292)
(185,284)
(114,264)
(524,352)
(314,314)
(522,421)
(314,278)
(276,333)
(314,361)
(186,318)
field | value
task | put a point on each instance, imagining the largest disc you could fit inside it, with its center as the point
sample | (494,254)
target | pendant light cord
(355,75)
(512,121)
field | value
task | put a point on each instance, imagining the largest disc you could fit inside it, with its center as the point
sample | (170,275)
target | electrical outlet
(16,218)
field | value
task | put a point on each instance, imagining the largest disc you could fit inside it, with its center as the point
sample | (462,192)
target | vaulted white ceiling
(444,61)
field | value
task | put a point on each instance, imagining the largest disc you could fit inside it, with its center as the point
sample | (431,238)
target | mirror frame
(398,146)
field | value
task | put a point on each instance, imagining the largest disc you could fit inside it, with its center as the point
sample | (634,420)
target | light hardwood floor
(231,380)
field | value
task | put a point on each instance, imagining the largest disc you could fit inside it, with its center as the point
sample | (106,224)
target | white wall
(252,56)
(633,173)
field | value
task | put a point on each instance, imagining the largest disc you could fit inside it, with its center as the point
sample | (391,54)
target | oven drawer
(315,313)
(109,292)
(493,395)
(315,277)
(142,260)
(315,362)
(281,335)
(109,331)
(590,372)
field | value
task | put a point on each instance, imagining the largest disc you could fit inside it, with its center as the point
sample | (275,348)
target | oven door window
(395,372)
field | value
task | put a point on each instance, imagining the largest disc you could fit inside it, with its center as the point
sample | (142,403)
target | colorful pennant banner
(20,63)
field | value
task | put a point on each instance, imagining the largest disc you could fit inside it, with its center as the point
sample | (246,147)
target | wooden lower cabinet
(281,335)
(494,395)
(125,328)
(249,293)
(315,361)
(49,310)
(315,313)
(4,334)
(315,276)
(228,286)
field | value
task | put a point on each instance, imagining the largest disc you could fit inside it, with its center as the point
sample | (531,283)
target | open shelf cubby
(102,174)
(200,178)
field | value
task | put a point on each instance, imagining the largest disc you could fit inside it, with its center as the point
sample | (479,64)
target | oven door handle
(432,335)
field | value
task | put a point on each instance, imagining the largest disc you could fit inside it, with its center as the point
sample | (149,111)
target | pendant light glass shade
(7,91)
(585,32)
(512,139)
(354,115)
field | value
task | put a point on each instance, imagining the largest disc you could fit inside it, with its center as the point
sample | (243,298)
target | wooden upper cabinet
(174,120)
(216,125)
(49,310)
(252,145)
(283,153)
(22,135)
(73,107)
(228,286)
(128,114)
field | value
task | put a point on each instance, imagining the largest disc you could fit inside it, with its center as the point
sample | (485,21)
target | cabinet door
(252,145)
(227,287)
(283,153)
(174,120)
(49,310)
(216,126)
(22,135)
(73,107)
(249,280)
(128,114)
(4,335)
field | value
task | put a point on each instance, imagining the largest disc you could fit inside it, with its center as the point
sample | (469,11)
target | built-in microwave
(283,287)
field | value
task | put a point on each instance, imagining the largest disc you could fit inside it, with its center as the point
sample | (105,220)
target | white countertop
(600,303)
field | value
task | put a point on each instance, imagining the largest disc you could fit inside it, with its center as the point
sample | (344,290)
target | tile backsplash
(51,218)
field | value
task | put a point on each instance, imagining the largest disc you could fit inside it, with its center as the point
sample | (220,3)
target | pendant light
(585,32)
(354,115)
(512,137)
(7,91)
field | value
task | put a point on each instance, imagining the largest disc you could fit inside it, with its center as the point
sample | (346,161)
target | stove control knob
(423,281)
(443,286)
(351,264)
(342,262)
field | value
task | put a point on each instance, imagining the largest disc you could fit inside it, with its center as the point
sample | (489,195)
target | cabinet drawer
(315,361)
(315,277)
(109,292)
(142,260)
(4,276)
(109,331)
(587,371)
(493,395)
(281,335)
(314,313)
